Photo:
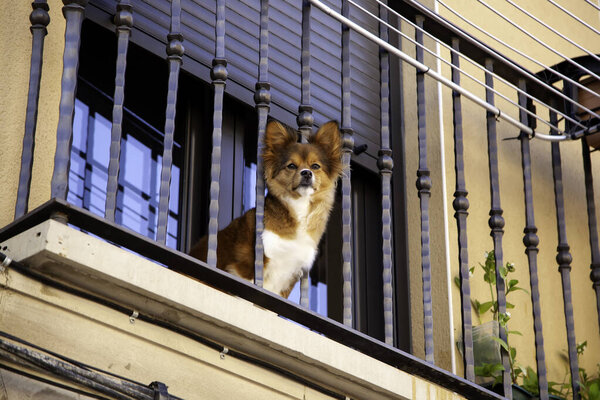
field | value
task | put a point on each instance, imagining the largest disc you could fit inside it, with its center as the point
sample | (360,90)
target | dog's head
(295,169)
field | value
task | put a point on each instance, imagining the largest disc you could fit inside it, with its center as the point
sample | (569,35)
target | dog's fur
(301,181)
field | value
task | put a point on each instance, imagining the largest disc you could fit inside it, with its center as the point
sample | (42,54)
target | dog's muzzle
(306,177)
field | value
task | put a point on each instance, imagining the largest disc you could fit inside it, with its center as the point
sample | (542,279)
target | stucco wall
(15,44)
(511,186)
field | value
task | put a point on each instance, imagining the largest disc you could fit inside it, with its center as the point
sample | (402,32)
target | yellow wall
(511,186)
(15,44)
(15,41)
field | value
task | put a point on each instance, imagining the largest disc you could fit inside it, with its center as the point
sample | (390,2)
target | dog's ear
(329,138)
(278,136)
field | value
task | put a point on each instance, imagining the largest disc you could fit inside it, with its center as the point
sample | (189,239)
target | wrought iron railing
(427,24)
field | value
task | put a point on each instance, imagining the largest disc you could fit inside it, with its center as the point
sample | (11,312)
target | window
(141,149)
(139,171)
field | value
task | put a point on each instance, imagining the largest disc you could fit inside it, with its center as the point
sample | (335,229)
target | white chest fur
(288,258)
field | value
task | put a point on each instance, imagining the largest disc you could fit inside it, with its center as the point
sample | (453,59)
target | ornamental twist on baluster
(73,11)
(39,19)
(262,99)
(531,241)
(219,77)
(175,51)
(563,259)
(496,221)
(305,119)
(424,189)
(461,205)
(124,23)
(347,148)
(592,224)
(385,164)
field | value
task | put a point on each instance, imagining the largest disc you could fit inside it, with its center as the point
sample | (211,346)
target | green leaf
(514,333)
(517,288)
(484,307)
(488,370)
(503,272)
(457,282)
(490,277)
(502,343)
(490,261)
(475,306)
(594,391)
(512,286)
(530,381)
(503,318)
(498,367)
(510,305)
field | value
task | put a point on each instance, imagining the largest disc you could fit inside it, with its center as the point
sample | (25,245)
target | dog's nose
(306,173)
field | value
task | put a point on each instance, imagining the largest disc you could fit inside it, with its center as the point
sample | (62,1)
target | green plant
(494,370)
(489,276)
(589,385)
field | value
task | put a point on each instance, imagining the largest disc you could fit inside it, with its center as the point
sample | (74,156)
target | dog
(301,179)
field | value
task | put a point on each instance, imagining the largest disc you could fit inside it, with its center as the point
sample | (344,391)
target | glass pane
(139,174)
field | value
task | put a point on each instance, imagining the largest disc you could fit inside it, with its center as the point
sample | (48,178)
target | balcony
(139,152)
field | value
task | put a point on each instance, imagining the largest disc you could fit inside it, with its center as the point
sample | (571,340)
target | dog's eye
(315,166)
(292,166)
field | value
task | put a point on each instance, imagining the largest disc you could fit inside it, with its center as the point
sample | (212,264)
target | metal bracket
(5,263)
(133,316)
(223,353)
(160,391)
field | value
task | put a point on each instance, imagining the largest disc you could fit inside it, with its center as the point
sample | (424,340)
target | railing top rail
(440,78)
(474,48)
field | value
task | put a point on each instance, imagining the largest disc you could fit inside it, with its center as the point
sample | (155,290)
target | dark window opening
(142,136)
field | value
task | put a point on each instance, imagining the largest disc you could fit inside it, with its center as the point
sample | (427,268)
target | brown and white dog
(301,180)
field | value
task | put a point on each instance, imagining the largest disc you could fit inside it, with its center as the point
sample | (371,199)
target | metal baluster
(175,52)
(563,258)
(496,221)
(424,188)
(461,205)
(73,12)
(305,118)
(124,22)
(569,91)
(348,146)
(39,19)
(218,75)
(531,242)
(262,98)
(592,224)
(385,163)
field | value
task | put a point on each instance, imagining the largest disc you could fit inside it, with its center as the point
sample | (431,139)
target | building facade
(132,128)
